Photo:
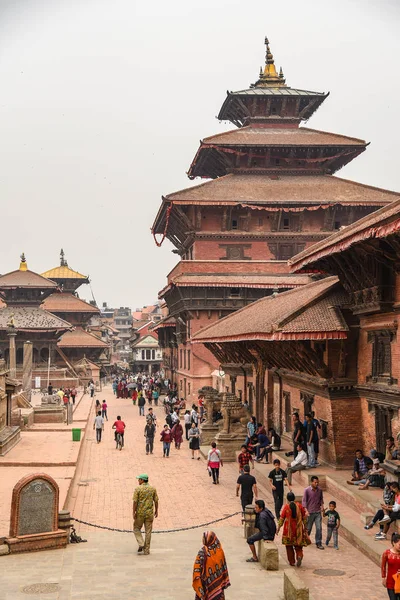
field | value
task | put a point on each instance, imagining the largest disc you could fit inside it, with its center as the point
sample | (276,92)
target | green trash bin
(76,435)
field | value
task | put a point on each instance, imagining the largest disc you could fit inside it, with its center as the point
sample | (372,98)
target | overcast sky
(103,104)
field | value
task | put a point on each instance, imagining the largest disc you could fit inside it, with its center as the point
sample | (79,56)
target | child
(332,525)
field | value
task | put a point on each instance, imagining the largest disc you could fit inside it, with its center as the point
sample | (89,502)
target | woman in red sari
(293,519)
(210,573)
(119,390)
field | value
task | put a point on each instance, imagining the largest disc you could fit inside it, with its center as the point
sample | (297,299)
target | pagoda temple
(272,194)
(77,344)
(23,293)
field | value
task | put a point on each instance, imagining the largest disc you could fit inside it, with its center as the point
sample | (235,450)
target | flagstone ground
(108,566)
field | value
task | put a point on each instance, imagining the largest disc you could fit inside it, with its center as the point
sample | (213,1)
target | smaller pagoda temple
(22,292)
(77,345)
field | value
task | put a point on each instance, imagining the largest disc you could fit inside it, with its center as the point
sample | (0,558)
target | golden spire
(269,75)
(63,262)
(23,266)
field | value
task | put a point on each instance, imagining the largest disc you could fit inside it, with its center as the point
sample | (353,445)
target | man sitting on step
(299,463)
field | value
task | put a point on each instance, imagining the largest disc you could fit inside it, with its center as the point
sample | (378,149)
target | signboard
(37,383)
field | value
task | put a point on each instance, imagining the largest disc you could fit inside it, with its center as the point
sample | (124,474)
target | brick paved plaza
(108,565)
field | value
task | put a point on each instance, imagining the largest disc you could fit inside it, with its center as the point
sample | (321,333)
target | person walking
(210,572)
(134,397)
(390,567)
(265,523)
(277,479)
(155,395)
(188,423)
(177,434)
(194,441)
(149,433)
(166,440)
(214,462)
(141,403)
(313,502)
(98,425)
(247,484)
(145,510)
(91,389)
(104,410)
(294,537)
(73,394)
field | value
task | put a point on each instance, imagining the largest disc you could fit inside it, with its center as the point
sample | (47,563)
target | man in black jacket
(265,523)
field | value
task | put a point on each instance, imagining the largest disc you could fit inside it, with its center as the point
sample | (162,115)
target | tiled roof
(279,136)
(380,223)
(66,302)
(275,91)
(78,338)
(310,312)
(241,280)
(31,318)
(285,189)
(25,279)
(63,272)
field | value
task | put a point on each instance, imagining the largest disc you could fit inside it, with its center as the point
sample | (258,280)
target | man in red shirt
(119,427)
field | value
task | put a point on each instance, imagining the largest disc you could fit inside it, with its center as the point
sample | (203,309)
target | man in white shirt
(299,463)
(98,425)
(174,417)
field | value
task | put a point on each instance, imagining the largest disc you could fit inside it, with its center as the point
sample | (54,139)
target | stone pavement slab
(108,567)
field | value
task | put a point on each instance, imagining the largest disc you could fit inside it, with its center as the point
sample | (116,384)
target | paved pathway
(102,494)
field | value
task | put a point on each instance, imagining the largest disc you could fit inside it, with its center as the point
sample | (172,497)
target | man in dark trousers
(265,523)
(248,485)
(298,432)
(141,403)
(277,479)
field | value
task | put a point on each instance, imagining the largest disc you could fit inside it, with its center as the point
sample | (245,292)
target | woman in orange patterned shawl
(210,573)
(294,537)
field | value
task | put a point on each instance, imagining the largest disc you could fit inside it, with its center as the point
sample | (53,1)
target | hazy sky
(103,104)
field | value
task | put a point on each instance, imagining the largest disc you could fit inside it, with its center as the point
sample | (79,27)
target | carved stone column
(12,334)
(27,370)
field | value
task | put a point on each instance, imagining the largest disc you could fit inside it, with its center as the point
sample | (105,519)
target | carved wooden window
(148,356)
(188,361)
(234,293)
(184,359)
(234,224)
(308,401)
(143,355)
(235,251)
(180,359)
(381,353)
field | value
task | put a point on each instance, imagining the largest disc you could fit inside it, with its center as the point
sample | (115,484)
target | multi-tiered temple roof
(270,163)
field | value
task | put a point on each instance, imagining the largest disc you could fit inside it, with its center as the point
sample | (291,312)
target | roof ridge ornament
(269,76)
(23,265)
(63,262)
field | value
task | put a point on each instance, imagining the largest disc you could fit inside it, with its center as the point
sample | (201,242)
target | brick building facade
(271,195)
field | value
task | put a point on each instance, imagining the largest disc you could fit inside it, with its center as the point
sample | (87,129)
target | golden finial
(268,75)
(23,266)
(63,262)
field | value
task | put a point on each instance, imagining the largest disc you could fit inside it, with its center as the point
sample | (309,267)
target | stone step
(351,526)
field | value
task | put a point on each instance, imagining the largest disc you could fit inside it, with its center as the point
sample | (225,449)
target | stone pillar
(13,354)
(27,370)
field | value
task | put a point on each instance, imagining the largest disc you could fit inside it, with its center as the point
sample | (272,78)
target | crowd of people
(293,519)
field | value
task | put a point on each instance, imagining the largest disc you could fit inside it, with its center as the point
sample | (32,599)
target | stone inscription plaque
(37,505)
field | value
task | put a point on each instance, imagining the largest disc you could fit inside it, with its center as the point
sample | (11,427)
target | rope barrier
(160,530)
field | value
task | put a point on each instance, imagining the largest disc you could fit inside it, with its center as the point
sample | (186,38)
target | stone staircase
(356,507)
